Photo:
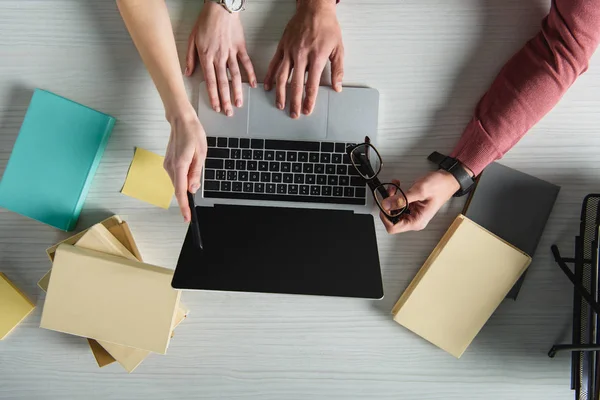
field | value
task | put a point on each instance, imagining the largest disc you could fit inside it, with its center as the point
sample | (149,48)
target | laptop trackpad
(266,121)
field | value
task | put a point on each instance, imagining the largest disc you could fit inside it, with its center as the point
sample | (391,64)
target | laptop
(282,209)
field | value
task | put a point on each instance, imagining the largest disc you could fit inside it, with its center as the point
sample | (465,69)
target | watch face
(235,5)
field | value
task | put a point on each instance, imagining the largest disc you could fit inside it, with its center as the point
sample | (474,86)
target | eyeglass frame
(375,184)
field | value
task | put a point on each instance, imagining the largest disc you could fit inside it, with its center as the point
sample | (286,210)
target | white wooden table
(431,61)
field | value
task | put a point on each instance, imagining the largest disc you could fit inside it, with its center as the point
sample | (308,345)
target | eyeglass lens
(390,198)
(366,160)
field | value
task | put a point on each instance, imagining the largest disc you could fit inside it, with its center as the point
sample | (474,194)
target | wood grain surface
(431,62)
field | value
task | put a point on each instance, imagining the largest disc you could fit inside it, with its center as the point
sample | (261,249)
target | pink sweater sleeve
(532,82)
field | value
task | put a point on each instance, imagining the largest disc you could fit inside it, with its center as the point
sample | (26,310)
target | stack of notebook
(100,289)
(460,285)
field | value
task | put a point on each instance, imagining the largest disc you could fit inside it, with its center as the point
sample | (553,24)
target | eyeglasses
(367,162)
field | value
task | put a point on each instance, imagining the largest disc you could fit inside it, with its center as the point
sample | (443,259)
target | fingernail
(294,115)
(187,71)
(267,87)
(195,187)
(238,103)
(305,111)
(338,87)
(217,108)
(228,112)
(254,84)
(280,106)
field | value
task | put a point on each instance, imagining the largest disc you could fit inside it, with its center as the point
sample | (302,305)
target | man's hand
(218,40)
(425,198)
(185,157)
(312,36)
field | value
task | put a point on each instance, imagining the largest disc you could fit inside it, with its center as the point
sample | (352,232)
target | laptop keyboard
(281,170)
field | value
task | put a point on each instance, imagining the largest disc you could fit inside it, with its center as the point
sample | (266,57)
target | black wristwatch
(454,166)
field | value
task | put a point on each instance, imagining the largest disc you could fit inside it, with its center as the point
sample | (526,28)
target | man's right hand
(185,157)
(425,198)
(218,42)
(312,36)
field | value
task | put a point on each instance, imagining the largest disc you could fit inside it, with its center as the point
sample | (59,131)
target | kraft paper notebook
(513,205)
(54,160)
(110,230)
(460,285)
(129,357)
(14,306)
(102,357)
(139,312)
(100,239)
(118,228)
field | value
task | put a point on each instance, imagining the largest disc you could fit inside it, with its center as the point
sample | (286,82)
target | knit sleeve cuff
(475,149)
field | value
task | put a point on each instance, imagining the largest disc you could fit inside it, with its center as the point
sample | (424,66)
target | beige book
(109,223)
(14,306)
(103,357)
(118,228)
(129,357)
(109,298)
(460,285)
(99,238)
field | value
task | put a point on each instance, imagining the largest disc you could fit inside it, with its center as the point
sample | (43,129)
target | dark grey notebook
(513,205)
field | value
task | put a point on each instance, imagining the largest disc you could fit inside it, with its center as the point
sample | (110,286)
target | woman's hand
(185,157)
(425,198)
(312,36)
(218,41)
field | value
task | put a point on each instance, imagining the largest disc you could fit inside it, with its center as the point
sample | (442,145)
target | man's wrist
(453,184)
(315,5)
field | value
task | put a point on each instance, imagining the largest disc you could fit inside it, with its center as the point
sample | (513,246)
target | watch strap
(453,166)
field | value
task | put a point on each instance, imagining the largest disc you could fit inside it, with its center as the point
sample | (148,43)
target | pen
(195,226)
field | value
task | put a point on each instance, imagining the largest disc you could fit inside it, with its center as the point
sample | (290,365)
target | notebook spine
(91,173)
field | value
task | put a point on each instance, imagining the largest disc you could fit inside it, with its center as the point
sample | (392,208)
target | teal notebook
(54,160)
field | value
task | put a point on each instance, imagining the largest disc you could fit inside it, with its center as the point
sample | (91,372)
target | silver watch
(232,6)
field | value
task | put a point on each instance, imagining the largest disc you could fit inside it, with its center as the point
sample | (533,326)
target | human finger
(337,68)
(181,185)
(405,224)
(312,84)
(273,68)
(297,87)
(281,81)
(194,173)
(236,80)
(395,199)
(247,63)
(210,78)
(223,84)
(190,58)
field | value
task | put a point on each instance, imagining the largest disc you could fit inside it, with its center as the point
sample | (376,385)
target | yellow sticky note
(14,306)
(147,180)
